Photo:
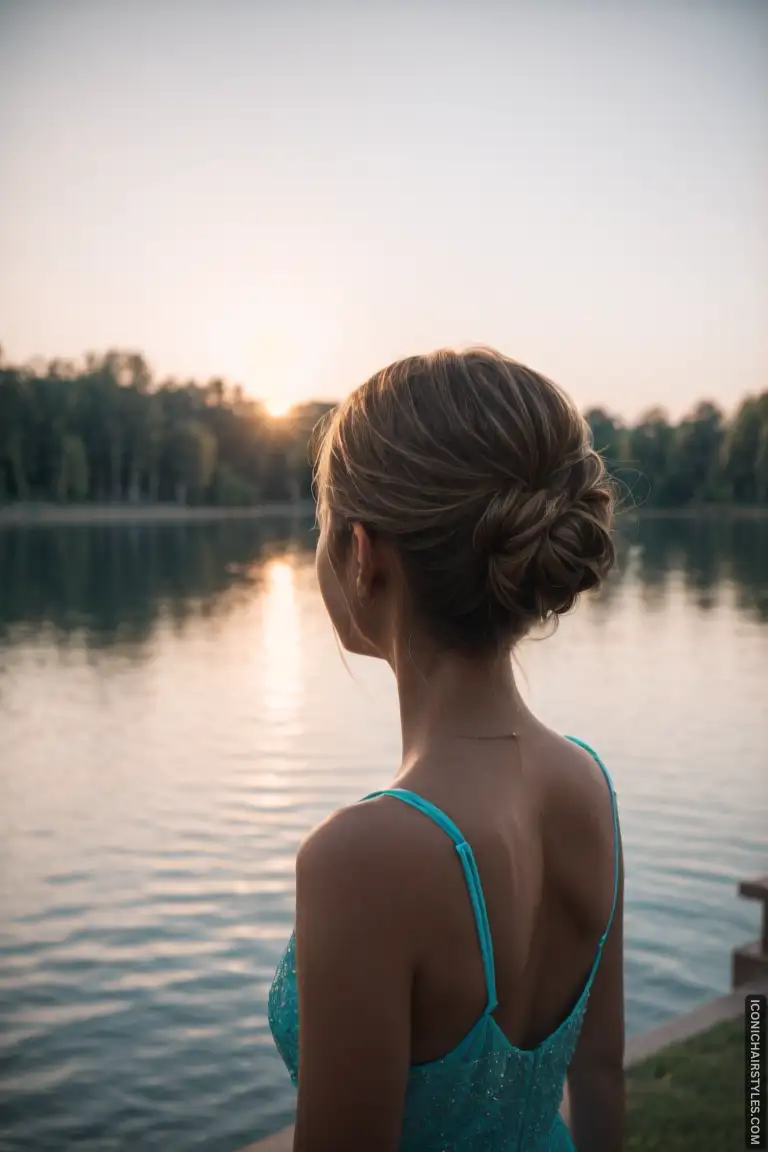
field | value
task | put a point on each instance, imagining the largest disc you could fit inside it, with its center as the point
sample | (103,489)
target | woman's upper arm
(596,1094)
(601,1041)
(354,980)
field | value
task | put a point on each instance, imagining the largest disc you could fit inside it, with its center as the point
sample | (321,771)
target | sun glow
(277,406)
(254,340)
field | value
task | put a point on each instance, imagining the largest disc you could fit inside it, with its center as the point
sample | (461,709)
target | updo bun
(545,548)
(483,475)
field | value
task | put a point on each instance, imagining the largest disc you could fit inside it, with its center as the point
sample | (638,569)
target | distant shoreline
(33,514)
(699,512)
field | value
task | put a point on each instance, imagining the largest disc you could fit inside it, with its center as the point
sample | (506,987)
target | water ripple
(152,810)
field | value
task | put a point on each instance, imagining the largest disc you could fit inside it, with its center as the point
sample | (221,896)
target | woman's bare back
(537,813)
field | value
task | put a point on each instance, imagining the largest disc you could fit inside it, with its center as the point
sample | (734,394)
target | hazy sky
(292,194)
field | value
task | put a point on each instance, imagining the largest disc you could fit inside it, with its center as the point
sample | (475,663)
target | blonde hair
(482,474)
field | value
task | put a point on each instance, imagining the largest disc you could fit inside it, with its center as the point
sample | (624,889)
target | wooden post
(750,961)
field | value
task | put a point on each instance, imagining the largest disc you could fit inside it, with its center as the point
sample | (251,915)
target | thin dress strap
(615,811)
(471,875)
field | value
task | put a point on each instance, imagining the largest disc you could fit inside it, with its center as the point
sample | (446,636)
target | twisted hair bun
(482,474)
(545,548)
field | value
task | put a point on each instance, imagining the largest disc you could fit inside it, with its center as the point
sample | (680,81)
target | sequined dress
(485,1094)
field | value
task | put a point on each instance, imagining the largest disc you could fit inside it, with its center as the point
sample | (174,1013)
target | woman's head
(463,488)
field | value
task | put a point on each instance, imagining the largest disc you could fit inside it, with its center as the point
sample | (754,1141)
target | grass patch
(690,1097)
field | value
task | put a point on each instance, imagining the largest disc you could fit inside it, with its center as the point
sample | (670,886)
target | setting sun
(277,406)
(253,339)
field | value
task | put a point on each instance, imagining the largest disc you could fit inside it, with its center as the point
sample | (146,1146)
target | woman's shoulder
(374,845)
(363,872)
(576,775)
(579,817)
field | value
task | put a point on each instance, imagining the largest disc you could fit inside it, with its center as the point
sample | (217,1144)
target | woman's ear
(362,553)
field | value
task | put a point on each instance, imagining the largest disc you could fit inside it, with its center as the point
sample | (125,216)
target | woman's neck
(446,696)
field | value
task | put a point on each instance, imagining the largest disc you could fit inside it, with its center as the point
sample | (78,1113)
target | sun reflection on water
(280,656)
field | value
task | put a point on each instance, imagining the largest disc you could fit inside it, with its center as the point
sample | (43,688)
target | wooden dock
(750,961)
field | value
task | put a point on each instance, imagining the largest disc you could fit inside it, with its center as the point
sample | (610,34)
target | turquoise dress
(485,1094)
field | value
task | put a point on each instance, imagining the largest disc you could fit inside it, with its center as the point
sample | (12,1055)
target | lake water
(174,716)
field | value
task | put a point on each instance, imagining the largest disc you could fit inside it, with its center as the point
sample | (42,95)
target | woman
(458,942)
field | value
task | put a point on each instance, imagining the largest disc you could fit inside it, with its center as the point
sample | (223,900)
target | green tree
(608,436)
(152,442)
(193,457)
(650,450)
(694,472)
(102,426)
(72,481)
(742,451)
(230,490)
(14,420)
(761,464)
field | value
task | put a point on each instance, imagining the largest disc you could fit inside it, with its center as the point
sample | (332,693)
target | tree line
(107,431)
(705,458)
